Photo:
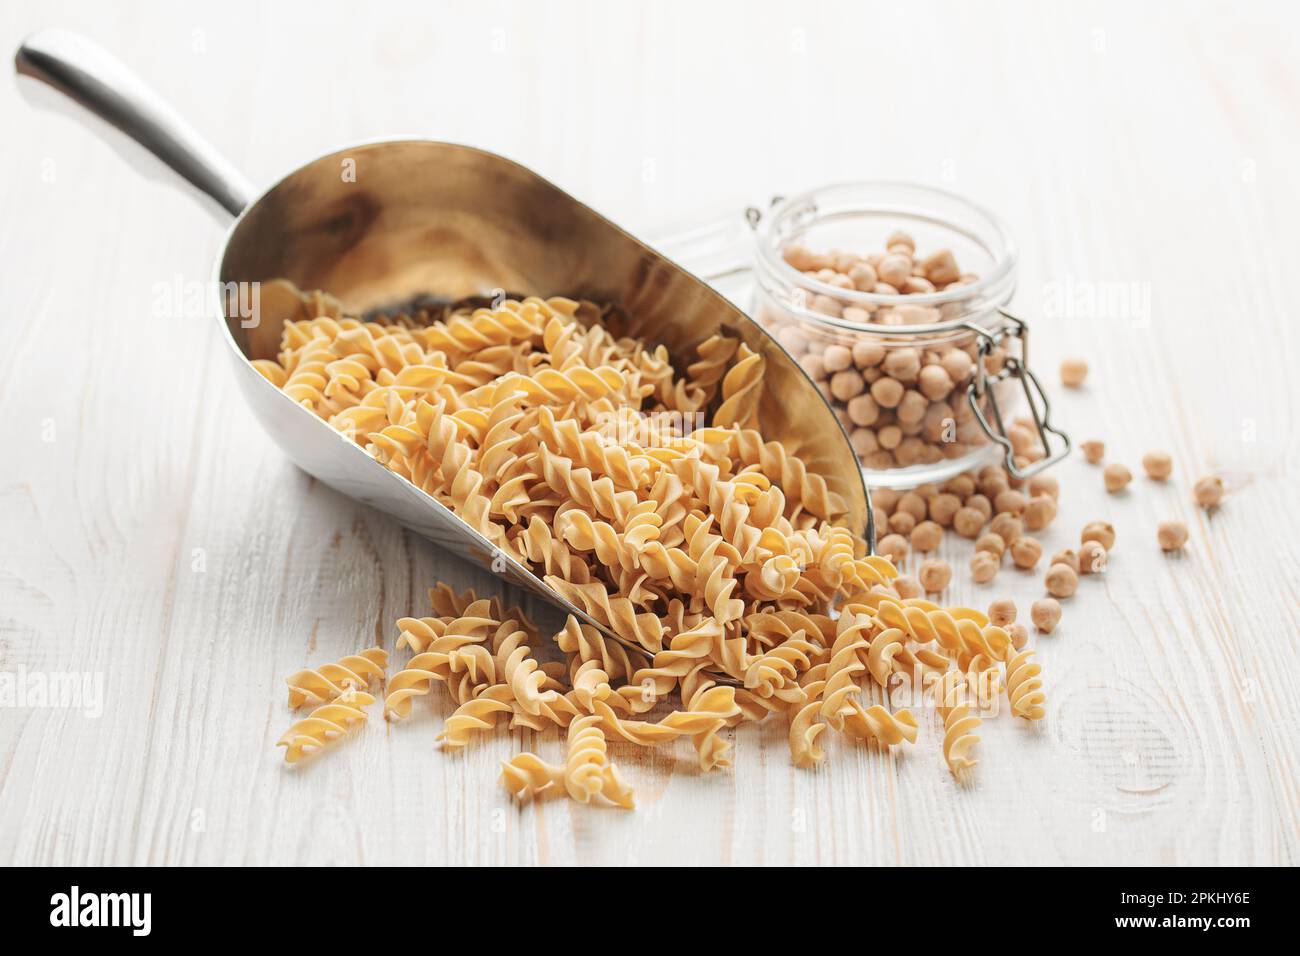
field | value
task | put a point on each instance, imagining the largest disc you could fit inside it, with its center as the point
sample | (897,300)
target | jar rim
(1004,260)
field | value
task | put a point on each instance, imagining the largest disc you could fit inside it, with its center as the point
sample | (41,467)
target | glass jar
(926,384)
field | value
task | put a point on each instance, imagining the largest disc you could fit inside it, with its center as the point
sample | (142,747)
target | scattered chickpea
(984,567)
(968,522)
(1116,477)
(934,576)
(1092,558)
(1039,512)
(1019,636)
(1066,556)
(1002,612)
(943,508)
(1208,491)
(927,536)
(1073,372)
(1093,451)
(1008,527)
(992,543)
(907,586)
(1044,485)
(886,498)
(1061,580)
(1158,465)
(1172,535)
(1103,532)
(902,522)
(1046,614)
(981,504)
(894,547)
(1010,502)
(1025,552)
(913,504)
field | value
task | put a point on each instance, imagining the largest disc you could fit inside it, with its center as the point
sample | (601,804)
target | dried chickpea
(1171,535)
(1002,612)
(1008,527)
(847,384)
(863,441)
(934,576)
(866,354)
(1093,451)
(836,358)
(1103,532)
(1073,372)
(927,536)
(863,276)
(1046,614)
(963,486)
(887,392)
(1044,485)
(907,586)
(935,383)
(1061,580)
(913,504)
(893,547)
(1019,636)
(1208,491)
(863,410)
(968,522)
(894,270)
(1025,552)
(1066,556)
(902,522)
(886,498)
(1158,465)
(957,364)
(941,268)
(903,364)
(900,238)
(981,504)
(1039,512)
(1092,558)
(943,507)
(984,567)
(1010,502)
(1116,477)
(992,543)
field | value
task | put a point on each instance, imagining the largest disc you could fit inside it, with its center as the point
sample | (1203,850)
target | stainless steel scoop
(388,221)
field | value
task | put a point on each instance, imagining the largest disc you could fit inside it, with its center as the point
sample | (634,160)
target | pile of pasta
(717,557)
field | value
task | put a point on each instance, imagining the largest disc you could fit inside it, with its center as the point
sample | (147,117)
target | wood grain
(153,537)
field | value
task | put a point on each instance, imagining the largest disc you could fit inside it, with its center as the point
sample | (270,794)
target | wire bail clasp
(1040,408)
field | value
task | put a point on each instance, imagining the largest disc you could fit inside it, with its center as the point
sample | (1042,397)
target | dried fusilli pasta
(649,498)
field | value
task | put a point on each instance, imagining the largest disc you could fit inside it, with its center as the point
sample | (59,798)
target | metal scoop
(413,220)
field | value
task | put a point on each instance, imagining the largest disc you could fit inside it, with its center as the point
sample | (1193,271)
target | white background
(151,535)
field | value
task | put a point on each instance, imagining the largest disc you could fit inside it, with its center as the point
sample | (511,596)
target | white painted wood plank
(151,535)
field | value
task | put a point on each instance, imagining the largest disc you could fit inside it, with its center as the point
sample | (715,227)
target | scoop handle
(89,75)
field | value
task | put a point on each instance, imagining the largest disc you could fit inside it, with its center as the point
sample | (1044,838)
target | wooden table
(1146,158)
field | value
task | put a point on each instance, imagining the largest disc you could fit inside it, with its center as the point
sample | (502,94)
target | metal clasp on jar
(1013,367)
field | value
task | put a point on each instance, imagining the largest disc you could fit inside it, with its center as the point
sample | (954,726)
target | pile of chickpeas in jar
(901,398)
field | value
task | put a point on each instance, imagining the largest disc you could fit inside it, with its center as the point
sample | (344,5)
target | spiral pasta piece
(959,722)
(324,725)
(354,672)
(1024,688)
